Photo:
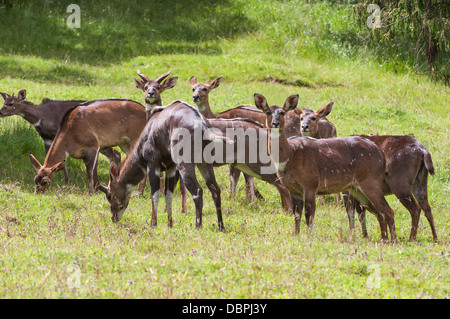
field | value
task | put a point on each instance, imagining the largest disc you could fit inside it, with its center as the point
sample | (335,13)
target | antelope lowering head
(153,88)
(44,175)
(12,104)
(118,195)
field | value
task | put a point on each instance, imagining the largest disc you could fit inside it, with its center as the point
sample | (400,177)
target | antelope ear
(5,95)
(324,111)
(22,95)
(291,103)
(169,83)
(57,167)
(113,171)
(261,102)
(139,84)
(215,83)
(193,80)
(34,162)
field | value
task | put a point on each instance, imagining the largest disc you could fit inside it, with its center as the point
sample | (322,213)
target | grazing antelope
(95,124)
(200,96)
(154,152)
(308,167)
(45,117)
(408,163)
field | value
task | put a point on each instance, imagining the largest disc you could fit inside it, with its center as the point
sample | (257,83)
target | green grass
(247,42)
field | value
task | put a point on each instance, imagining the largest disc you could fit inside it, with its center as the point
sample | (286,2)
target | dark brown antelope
(308,167)
(408,163)
(152,95)
(155,152)
(92,125)
(45,117)
(200,96)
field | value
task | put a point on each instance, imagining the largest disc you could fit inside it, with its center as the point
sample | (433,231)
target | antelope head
(275,114)
(309,119)
(11,106)
(44,175)
(153,89)
(118,197)
(201,91)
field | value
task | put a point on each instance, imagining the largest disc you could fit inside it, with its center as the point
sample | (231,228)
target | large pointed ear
(5,95)
(291,103)
(215,83)
(57,167)
(34,162)
(139,84)
(193,80)
(261,102)
(169,83)
(113,171)
(324,111)
(22,95)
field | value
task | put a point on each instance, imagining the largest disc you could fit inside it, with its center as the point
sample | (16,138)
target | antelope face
(275,114)
(309,122)
(200,93)
(152,92)
(11,104)
(119,198)
(42,180)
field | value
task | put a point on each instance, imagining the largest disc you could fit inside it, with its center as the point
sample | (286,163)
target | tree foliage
(417,30)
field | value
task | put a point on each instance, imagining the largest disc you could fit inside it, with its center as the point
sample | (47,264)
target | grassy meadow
(63,244)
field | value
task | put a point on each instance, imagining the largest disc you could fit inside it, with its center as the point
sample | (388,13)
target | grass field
(63,244)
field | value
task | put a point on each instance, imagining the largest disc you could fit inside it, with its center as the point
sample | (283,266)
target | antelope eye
(204,90)
(283,112)
(11,104)
(193,89)
(314,118)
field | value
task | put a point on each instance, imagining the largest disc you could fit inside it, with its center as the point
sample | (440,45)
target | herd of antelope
(310,159)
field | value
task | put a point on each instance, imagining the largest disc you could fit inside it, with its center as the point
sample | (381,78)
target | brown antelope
(308,167)
(153,88)
(408,163)
(152,95)
(200,96)
(315,124)
(89,126)
(249,153)
(154,152)
(45,117)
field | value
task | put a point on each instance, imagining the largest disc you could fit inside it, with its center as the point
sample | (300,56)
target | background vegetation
(276,48)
